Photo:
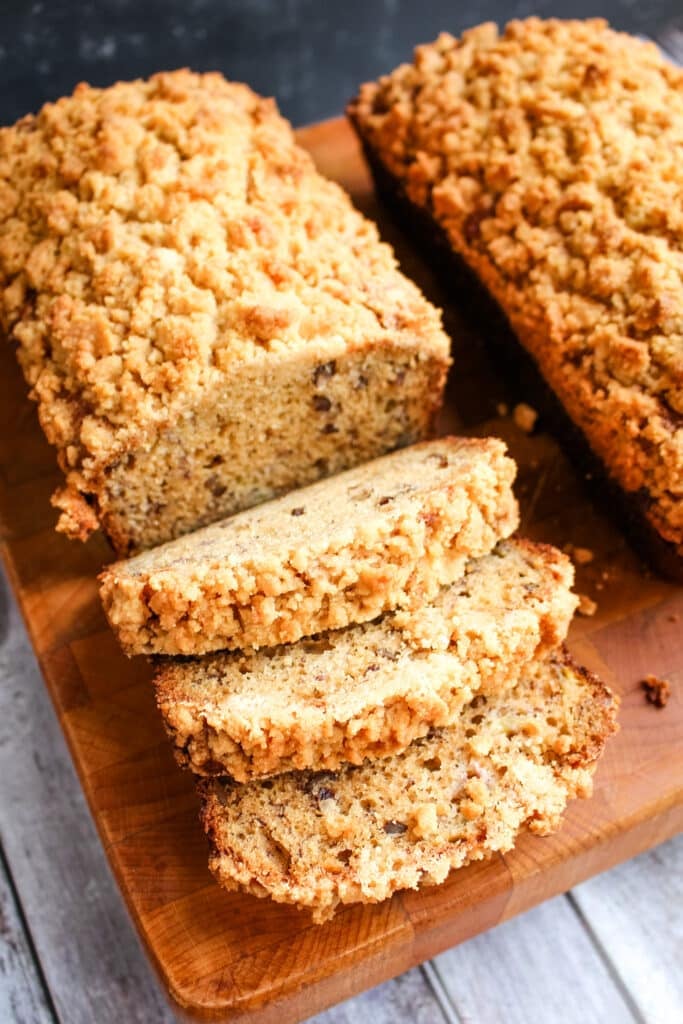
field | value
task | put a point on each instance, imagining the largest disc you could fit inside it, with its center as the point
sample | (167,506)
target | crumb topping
(550,155)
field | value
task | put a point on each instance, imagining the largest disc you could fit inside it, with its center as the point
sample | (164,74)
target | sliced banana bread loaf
(369,690)
(548,160)
(203,319)
(339,551)
(318,839)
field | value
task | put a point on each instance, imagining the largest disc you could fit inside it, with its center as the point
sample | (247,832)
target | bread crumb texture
(380,536)
(369,690)
(550,157)
(319,839)
(158,236)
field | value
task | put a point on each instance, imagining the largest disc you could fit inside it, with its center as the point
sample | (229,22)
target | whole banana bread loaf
(203,320)
(369,690)
(319,839)
(547,159)
(343,550)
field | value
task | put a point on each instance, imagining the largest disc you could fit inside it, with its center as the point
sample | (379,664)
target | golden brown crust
(546,155)
(375,538)
(511,761)
(157,234)
(369,690)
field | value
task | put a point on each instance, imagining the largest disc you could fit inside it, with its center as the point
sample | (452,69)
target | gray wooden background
(608,952)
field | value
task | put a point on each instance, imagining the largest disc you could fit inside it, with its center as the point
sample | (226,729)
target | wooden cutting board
(228,956)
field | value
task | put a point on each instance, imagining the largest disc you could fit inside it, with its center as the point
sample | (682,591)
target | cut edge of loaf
(318,840)
(463,509)
(419,668)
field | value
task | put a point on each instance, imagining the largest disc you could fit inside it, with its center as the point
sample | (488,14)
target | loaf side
(546,155)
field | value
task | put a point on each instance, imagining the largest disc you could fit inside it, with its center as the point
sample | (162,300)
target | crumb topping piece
(657,691)
(369,690)
(587,606)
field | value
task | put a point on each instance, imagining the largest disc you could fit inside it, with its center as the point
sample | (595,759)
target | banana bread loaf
(318,839)
(339,551)
(369,690)
(547,159)
(204,321)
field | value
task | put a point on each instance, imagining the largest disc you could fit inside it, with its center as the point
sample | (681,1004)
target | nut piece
(657,691)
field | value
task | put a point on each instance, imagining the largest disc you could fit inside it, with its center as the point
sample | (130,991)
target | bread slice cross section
(343,550)
(371,689)
(510,762)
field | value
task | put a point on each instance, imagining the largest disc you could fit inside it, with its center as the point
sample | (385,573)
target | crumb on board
(582,556)
(525,417)
(587,606)
(657,691)
(674,617)
(502,408)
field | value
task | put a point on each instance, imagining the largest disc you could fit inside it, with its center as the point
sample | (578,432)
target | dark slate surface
(310,54)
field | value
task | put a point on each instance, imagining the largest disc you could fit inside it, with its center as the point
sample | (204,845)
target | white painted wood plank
(635,913)
(90,955)
(22,997)
(539,967)
(408,998)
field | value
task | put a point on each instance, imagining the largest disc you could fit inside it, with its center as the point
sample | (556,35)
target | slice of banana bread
(369,690)
(318,839)
(203,319)
(546,159)
(340,551)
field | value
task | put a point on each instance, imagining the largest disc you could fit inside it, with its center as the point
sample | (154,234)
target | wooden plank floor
(610,950)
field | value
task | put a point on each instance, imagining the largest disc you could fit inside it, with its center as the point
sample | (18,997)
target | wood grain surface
(229,956)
